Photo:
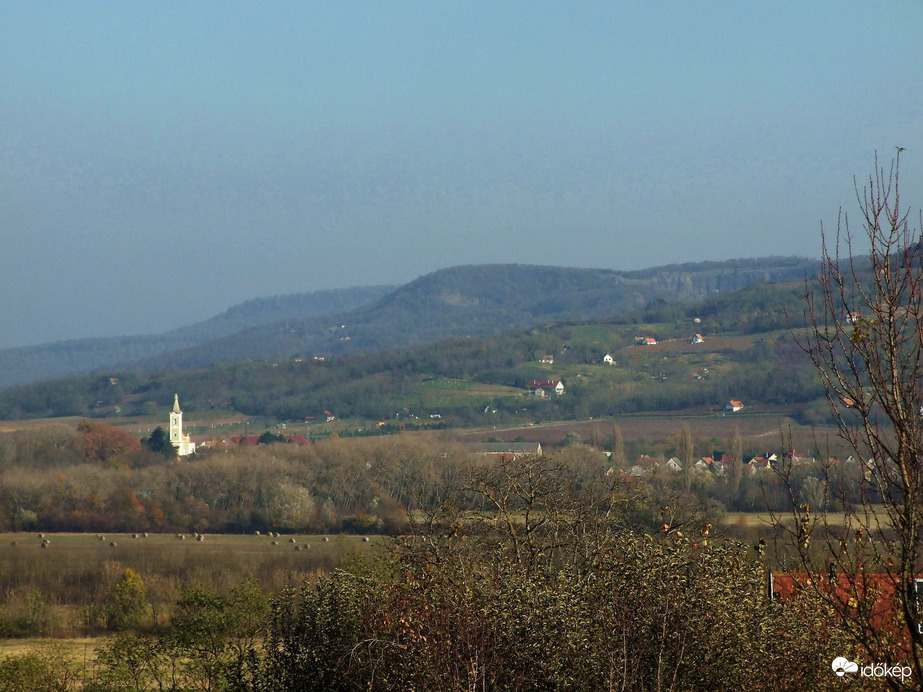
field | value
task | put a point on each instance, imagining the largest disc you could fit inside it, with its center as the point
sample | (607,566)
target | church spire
(176,404)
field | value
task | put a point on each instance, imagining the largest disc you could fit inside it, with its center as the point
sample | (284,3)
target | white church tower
(182,442)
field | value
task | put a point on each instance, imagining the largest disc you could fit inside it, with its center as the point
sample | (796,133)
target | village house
(607,359)
(734,405)
(697,339)
(761,463)
(540,387)
(646,340)
(547,360)
(673,465)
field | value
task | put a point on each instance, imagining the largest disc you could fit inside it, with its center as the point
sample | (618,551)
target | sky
(161,162)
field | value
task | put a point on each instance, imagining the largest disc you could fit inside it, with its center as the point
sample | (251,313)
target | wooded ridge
(459,301)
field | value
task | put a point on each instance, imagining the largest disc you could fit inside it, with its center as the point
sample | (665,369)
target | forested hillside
(747,353)
(470,300)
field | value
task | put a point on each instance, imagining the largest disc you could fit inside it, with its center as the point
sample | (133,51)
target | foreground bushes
(648,615)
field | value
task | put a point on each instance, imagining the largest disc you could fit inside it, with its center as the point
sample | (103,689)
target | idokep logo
(841,666)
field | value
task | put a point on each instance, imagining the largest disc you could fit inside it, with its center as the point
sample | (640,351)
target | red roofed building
(877,592)
(553,385)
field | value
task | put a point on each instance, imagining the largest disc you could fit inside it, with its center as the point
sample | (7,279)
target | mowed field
(58,582)
(179,554)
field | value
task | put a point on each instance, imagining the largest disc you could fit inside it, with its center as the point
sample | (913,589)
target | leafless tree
(865,339)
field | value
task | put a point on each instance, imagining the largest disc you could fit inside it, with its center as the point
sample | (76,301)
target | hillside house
(646,340)
(697,339)
(546,386)
(673,465)
(734,405)
(547,360)
(607,360)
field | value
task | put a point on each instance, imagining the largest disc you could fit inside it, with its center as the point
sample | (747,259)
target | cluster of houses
(651,341)
(721,464)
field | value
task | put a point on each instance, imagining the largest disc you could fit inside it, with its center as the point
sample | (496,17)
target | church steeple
(178,438)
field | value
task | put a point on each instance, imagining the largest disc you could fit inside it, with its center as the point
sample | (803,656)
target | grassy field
(51,587)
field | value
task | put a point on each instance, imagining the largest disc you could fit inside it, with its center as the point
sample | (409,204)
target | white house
(178,439)
(607,359)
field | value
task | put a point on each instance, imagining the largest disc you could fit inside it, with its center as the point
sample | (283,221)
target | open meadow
(53,590)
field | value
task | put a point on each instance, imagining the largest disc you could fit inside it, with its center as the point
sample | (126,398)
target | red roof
(875,589)
(544,384)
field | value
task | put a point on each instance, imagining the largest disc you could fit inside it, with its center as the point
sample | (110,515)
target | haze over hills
(465,300)
(31,363)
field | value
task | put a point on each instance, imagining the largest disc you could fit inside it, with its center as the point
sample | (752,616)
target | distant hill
(32,363)
(747,354)
(459,301)
(484,299)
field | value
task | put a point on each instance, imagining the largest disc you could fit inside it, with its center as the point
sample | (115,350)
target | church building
(182,442)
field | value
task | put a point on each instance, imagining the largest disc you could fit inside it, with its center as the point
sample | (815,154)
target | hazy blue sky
(161,161)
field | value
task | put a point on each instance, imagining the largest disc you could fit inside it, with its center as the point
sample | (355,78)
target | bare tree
(865,338)
(687,452)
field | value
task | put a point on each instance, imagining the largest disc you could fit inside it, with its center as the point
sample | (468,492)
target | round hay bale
(291,540)
(326,539)
(256,533)
(200,538)
(365,539)
(297,548)
(102,538)
(134,535)
(112,545)
(41,535)
(273,543)
(144,535)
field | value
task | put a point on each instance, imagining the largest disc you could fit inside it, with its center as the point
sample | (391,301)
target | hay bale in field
(45,543)
(144,535)
(273,543)
(326,539)
(181,537)
(134,535)
(256,533)
(291,540)
(113,544)
(102,538)
(200,538)
(41,535)
(365,539)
